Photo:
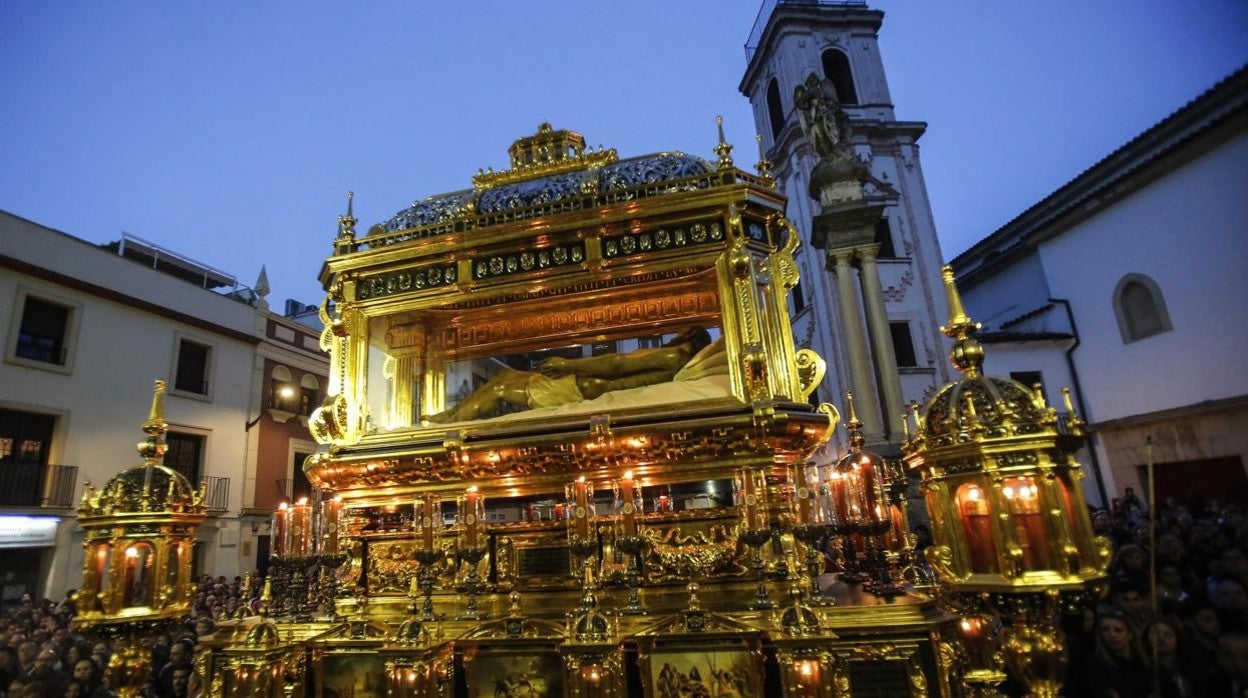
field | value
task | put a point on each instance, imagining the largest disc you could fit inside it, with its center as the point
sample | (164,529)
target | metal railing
(218,493)
(769,6)
(37,484)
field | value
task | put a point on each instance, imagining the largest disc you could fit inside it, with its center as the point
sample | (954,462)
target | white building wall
(1016,289)
(1187,232)
(101,402)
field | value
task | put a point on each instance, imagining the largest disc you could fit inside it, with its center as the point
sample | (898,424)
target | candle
(628,507)
(752,494)
(473,504)
(977,526)
(579,503)
(803,498)
(840,496)
(427,518)
(300,528)
(331,522)
(278,529)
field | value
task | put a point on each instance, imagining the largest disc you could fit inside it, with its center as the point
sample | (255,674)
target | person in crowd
(45,672)
(1233,660)
(180,681)
(27,653)
(179,656)
(1170,582)
(1160,650)
(1131,566)
(89,679)
(1128,599)
(1199,649)
(1115,670)
(1231,600)
(23,687)
(9,668)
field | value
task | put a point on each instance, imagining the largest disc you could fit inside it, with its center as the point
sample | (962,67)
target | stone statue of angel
(823,121)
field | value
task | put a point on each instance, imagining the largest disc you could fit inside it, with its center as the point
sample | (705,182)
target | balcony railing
(769,6)
(1063,423)
(37,485)
(218,493)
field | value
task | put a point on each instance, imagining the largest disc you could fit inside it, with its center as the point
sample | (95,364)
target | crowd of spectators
(1174,624)
(43,654)
(1175,621)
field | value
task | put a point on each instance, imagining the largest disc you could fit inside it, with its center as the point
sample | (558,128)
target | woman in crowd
(1160,649)
(1115,670)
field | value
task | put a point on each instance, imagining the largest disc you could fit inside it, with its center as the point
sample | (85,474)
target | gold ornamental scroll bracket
(328,423)
(834,417)
(810,371)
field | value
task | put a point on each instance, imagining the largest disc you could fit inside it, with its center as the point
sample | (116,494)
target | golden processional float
(571,453)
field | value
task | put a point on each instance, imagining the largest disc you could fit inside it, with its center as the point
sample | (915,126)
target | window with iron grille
(184,454)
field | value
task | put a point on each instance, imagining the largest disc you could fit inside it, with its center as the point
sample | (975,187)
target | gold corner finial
(764,166)
(967,355)
(346,223)
(957,313)
(152,449)
(853,425)
(723,149)
(156,416)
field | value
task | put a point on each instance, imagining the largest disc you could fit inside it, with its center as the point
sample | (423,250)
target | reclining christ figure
(559,381)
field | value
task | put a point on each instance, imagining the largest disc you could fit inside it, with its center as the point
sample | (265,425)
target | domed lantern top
(1003,490)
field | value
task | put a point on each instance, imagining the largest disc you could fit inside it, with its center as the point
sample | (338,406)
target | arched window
(836,69)
(775,112)
(281,391)
(1140,308)
(309,393)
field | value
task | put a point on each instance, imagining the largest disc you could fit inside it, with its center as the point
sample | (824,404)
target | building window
(775,112)
(799,298)
(184,454)
(25,444)
(836,69)
(300,485)
(41,336)
(1028,378)
(884,238)
(42,333)
(192,373)
(309,394)
(281,390)
(903,344)
(1140,308)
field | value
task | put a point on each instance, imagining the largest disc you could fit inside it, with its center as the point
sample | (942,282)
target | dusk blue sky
(231,131)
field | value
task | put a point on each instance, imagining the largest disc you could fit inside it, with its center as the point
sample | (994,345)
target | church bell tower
(869,301)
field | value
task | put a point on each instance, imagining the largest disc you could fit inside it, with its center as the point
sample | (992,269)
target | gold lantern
(139,532)
(1012,535)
